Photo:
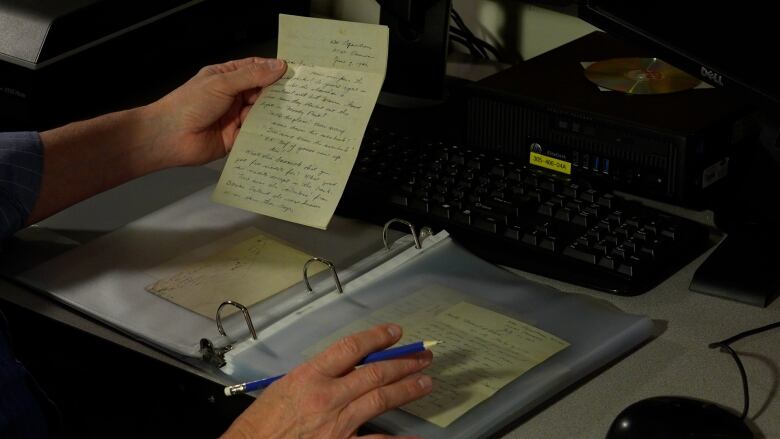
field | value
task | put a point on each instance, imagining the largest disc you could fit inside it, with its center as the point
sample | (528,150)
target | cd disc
(639,76)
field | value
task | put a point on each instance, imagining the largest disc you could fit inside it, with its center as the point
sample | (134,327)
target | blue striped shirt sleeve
(21,167)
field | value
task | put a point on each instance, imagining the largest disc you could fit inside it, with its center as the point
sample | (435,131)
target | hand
(199,121)
(194,124)
(328,397)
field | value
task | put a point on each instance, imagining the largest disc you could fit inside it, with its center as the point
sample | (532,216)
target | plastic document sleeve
(597,332)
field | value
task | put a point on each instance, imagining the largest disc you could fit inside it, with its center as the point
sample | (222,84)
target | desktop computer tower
(673,147)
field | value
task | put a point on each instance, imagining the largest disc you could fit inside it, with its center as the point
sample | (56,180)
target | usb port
(606,166)
(596,163)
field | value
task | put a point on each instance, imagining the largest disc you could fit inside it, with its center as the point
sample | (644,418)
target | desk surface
(676,362)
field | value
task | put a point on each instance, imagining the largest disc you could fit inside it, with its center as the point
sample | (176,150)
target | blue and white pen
(387,354)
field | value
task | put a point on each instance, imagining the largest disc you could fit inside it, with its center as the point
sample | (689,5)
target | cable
(742,374)
(725,345)
(462,41)
(457,35)
(467,38)
(465,32)
(461,30)
(476,40)
(750,332)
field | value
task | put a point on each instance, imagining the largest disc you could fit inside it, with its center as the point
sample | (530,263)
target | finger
(252,75)
(343,355)
(381,373)
(233,65)
(244,113)
(251,96)
(385,398)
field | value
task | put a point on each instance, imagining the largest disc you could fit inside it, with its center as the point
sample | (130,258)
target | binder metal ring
(330,266)
(424,232)
(243,311)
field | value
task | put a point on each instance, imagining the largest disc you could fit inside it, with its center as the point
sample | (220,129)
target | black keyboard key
(608,262)
(533,237)
(462,217)
(572,190)
(590,196)
(630,267)
(400,200)
(513,232)
(441,211)
(546,209)
(609,201)
(549,243)
(581,254)
(584,219)
(564,214)
(419,204)
(486,224)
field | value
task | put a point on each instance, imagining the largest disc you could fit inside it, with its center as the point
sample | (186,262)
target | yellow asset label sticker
(550,163)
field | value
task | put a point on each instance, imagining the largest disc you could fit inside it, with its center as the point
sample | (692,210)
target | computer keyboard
(521,216)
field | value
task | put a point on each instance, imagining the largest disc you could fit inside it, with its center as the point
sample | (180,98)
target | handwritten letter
(482,351)
(297,146)
(247,272)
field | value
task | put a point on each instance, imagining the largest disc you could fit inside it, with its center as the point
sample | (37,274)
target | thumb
(253,75)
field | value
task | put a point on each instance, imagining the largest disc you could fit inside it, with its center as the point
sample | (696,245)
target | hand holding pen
(329,397)
(387,354)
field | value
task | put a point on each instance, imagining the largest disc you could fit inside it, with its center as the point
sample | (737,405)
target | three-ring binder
(216,356)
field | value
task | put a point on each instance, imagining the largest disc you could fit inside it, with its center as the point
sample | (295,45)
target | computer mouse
(672,417)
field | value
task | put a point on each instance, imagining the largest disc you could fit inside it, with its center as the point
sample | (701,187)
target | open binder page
(446,281)
(107,277)
(258,267)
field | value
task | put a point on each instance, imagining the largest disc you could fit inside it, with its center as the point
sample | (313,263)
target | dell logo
(712,75)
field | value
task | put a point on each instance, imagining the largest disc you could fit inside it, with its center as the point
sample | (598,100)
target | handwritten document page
(296,148)
(482,351)
(247,272)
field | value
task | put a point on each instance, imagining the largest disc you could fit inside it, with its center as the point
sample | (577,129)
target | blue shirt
(22,406)
(21,165)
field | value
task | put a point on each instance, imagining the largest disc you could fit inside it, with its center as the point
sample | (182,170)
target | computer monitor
(417,59)
(726,45)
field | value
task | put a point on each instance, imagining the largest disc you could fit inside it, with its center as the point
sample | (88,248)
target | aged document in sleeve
(297,146)
(246,267)
(482,350)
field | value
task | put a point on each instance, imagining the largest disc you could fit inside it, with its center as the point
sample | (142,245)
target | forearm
(84,158)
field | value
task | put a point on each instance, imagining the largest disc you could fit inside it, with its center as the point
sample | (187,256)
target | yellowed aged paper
(482,351)
(298,144)
(332,43)
(249,271)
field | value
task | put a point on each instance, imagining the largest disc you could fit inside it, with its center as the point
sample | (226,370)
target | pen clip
(418,238)
(330,266)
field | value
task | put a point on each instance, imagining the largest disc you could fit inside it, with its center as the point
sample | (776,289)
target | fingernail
(394,331)
(424,361)
(425,382)
(275,64)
